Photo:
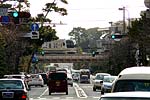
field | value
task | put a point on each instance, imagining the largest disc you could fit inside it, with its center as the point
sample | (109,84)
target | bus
(84,76)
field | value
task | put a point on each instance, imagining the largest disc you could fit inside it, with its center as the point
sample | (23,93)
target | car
(36,80)
(133,79)
(57,82)
(13,89)
(98,80)
(138,95)
(19,76)
(69,79)
(76,77)
(44,76)
(107,84)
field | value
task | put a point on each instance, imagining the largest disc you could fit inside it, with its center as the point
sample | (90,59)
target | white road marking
(43,93)
(78,89)
(96,97)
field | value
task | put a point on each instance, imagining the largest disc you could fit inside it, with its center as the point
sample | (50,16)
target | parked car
(36,80)
(133,79)
(57,82)
(107,84)
(98,80)
(126,96)
(13,89)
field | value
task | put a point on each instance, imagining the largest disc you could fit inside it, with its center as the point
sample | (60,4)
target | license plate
(8,94)
(57,83)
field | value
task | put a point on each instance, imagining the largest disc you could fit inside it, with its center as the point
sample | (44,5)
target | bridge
(70,58)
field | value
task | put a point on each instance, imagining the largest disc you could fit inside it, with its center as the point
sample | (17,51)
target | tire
(66,92)
(102,92)
(49,92)
(71,85)
(94,89)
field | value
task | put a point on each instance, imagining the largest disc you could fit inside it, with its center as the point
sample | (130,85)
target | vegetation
(16,52)
(122,53)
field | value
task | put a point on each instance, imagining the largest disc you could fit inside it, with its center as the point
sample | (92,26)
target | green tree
(2,56)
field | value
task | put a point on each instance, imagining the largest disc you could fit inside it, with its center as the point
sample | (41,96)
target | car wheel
(49,92)
(66,92)
(102,92)
(94,89)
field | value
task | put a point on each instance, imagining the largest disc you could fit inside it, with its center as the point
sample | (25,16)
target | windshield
(10,84)
(123,98)
(100,77)
(132,85)
(109,79)
(58,76)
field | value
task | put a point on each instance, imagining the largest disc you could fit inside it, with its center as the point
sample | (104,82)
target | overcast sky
(89,13)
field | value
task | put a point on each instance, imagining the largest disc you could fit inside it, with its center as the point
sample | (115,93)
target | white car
(98,80)
(138,95)
(69,79)
(36,80)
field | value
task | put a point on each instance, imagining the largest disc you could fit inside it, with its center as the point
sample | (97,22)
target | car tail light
(40,79)
(24,96)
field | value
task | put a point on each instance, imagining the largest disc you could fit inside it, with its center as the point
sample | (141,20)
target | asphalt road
(77,92)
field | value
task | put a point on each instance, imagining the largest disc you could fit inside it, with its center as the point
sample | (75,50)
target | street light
(124,14)
(123,9)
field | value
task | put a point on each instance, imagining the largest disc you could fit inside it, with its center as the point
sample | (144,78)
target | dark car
(57,82)
(13,89)
(44,76)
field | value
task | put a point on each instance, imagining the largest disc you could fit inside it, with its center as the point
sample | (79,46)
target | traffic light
(93,53)
(116,36)
(34,35)
(24,15)
(15,16)
(19,15)
(42,53)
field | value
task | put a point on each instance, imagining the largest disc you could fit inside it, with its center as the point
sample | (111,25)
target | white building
(59,44)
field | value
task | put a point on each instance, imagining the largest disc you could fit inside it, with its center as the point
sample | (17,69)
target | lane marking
(43,93)
(79,91)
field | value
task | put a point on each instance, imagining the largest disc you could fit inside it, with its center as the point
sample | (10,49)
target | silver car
(98,80)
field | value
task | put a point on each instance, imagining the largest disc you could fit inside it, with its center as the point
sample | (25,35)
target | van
(57,82)
(133,79)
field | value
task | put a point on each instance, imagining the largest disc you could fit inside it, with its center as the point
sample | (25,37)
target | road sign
(34,27)
(3,11)
(35,35)
(5,19)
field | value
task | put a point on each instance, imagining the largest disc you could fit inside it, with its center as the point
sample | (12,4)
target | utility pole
(124,24)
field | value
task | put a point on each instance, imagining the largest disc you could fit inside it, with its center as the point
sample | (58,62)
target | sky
(88,13)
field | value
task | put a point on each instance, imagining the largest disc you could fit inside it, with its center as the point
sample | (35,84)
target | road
(77,92)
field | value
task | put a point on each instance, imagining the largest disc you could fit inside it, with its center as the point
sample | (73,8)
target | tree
(2,56)
(140,34)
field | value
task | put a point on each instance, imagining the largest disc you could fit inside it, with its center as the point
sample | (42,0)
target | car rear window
(58,76)
(11,84)
(44,76)
(132,85)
